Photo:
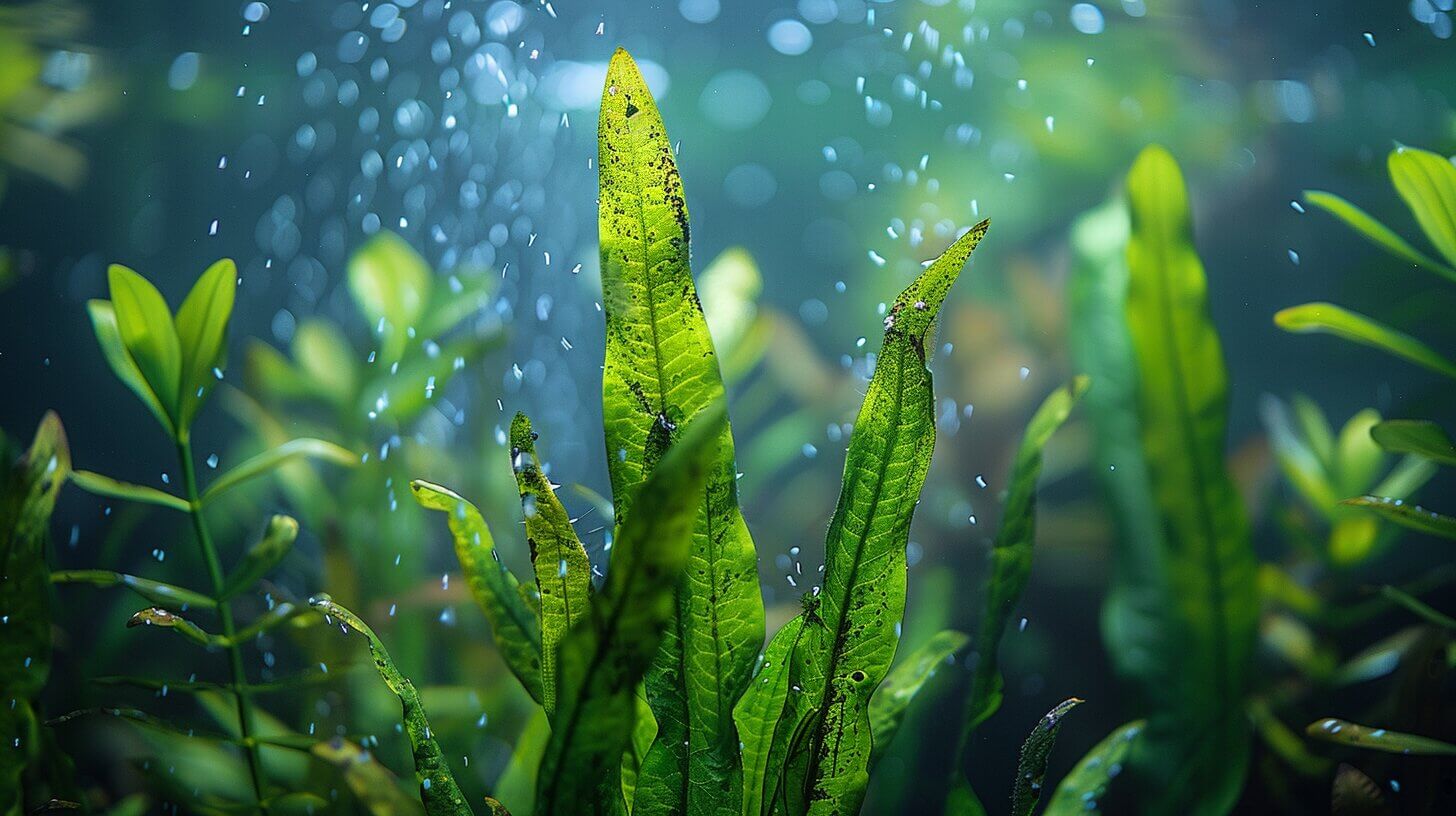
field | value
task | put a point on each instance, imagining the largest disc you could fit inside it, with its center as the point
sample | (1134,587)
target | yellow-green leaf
(1376,232)
(202,323)
(1345,732)
(759,715)
(113,348)
(901,686)
(1419,437)
(147,332)
(100,485)
(1083,788)
(1327,318)
(277,540)
(276,457)
(391,284)
(1407,515)
(1427,183)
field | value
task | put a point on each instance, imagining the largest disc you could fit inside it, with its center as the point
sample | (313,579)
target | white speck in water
(1370,38)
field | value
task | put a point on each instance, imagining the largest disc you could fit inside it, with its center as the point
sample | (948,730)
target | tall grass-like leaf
(1419,437)
(847,649)
(1195,750)
(438,791)
(1086,784)
(1377,739)
(116,489)
(661,371)
(903,684)
(147,331)
(29,488)
(1011,555)
(1035,753)
(1376,232)
(604,657)
(515,626)
(759,715)
(563,572)
(113,348)
(1427,183)
(202,322)
(391,283)
(276,542)
(1327,318)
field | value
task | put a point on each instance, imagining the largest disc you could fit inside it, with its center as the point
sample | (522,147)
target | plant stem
(225,614)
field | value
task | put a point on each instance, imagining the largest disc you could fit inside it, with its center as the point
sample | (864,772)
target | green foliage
(1425,439)
(762,725)
(605,656)
(28,488)
(1035,752)
(892,699)
(1086,784)
(1327,318)
(1412,516)
(438,791)
(1180,619)
(1377,739)
(662,370)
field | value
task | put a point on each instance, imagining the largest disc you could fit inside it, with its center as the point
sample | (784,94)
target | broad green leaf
(604,657)
(1035,752)
(277,540)
(1012,553)
(563,572)
(1407,515)
(846,652)
(371,783)
(514,625)
(759,715)
(894,696)
(113,348)
(28,488)
(113,488)
(147,331)
(1427,183)
(391,284)
(1374,231)
(1422,438)
(1328,318)
(276,457)
(324,357)
(1086,784)
(644,733)
(1196,746)
(1345,732)
(155,591)
(202,323)
(438,791)
(163,619)
(661,371)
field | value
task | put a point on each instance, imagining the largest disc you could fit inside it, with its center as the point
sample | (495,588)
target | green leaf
(113,488)
(841,661)
(202,334)
(1315,427)
(516,629)
(661,371)
(1422,610)
(325,360)
(1194,654)
(157,592)
(438,791)
(516,785)
(1376,232)
(28,488)
(113,348)
(759,715)
(1328,318)
(161,618)
(371,783)
(1035,752)
(1422,438)
(730,288)
(604,657)
(277,540)
(1297,451)
(1086,784)
(1358,460)
(402,393)
(391,283)
(1345,732)
(1012,554)
(147,332)
(1427,182)
(894,696)
(563,571)
(1407,515)
(276,457)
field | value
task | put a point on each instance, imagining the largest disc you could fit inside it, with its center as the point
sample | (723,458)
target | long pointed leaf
(148,333)
(157,592)
(1374,231)
(100,485)
(1345,732)
(1427,182)
(438,791)
(113,348)
(847,650)
(604,657)
(1035,752)
(1083,788)
(563,572)
(202,323)
(759,716)
(1327,318)
(662,370)
(516,629)
(901,686)
(1407,515)
(277,457)
(1194,753)
(277,540)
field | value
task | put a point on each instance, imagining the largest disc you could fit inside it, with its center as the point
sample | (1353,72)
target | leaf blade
(113,348)
(1419,437)
(202,323)
(276,457)
(275,544)
(1412,516)
(1035,753)
(1327,318)
(1085,785)
(1345,732)
(100,485)
(1374,231)
(147,331)
(1427,183)
(902,685)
